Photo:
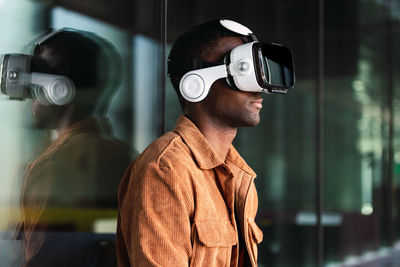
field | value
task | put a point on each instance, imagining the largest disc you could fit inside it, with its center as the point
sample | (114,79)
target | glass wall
(61,164)
(345,51)
(359,136)
(282,148)
(60,167)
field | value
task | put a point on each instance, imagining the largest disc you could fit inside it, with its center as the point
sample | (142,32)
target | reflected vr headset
(19,83)
(251,67)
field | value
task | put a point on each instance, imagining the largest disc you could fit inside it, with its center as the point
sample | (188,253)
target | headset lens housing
(13,75)
(274,66)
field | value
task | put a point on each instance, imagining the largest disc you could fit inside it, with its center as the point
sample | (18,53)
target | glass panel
(361,132)
(394,60)
(358,153)
(61,165)
(281,150)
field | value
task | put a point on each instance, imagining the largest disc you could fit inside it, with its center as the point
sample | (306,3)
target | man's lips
(257,103)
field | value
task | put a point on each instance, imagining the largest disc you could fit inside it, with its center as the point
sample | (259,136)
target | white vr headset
(251,67)
(19,83)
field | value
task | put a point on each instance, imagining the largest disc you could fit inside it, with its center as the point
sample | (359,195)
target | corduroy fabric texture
(177,202)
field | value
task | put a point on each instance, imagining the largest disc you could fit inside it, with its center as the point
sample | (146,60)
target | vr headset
(251,67)
(19,83)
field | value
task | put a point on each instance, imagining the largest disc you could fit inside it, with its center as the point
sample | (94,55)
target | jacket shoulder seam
(167,147)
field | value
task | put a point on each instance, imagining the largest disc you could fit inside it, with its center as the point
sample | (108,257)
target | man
(77,173)
(189,199)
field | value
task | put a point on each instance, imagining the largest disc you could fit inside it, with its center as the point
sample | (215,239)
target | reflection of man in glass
(78,172)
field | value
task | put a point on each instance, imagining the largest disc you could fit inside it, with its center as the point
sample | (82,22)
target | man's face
(230,107)
(46,116)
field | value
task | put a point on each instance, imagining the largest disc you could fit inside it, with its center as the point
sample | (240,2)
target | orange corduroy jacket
(177,205)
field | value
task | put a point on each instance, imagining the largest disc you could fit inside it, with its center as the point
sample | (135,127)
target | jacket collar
(204,155)
(95,125)
(234,157)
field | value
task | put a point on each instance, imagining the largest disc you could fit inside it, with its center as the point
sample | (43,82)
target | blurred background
(327,154)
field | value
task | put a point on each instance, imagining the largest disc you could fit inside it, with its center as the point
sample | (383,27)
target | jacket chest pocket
(212,244)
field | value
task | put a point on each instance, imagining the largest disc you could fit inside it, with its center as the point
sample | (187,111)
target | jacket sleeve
(154,219)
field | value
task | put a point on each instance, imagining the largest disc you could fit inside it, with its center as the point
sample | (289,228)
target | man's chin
(250,122)
(253,121)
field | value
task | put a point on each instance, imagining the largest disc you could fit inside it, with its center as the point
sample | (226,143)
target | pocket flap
(257,233)
(216,233)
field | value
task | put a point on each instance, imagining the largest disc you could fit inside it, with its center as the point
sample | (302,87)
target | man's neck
(219,137)
(65,121)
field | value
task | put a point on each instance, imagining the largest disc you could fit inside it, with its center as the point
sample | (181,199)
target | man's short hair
(196,43)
